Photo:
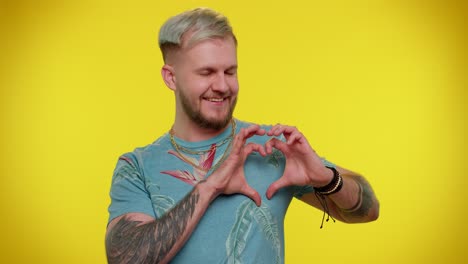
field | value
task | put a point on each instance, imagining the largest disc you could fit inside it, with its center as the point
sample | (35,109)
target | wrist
(208,188)
(326,178)
(333,186)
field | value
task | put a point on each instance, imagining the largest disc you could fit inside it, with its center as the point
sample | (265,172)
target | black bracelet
(334,186)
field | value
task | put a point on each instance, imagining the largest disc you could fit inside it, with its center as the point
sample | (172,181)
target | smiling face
(205,82)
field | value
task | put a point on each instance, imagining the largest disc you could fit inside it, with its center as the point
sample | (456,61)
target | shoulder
(140,154)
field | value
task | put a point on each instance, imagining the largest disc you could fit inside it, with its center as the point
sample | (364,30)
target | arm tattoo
(132,242)
(365,200)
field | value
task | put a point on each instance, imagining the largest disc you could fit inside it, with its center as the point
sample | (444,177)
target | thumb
(252,194)
(275,186)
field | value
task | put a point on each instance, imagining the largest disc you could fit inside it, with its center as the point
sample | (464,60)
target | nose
(220,83)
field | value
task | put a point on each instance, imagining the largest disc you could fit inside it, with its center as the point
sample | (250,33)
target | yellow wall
(377,86)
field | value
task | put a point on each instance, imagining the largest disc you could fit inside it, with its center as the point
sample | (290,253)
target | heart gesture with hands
(303,165)
(229,178)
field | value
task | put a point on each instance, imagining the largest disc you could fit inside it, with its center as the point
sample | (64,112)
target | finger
(269,146)
(252,194)
(252,127)
(276,143)
(250,147)
(275,186)
(238,142)
(243,135)
(287,131)
(282,129)
(273,130)
(246,133)
(254,130)
(295,136)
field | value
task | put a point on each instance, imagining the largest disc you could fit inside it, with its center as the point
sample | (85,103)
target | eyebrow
(210,68)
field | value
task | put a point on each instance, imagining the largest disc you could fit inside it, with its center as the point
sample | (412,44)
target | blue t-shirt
(152,179)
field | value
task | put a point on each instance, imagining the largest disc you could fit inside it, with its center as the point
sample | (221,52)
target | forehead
(210,53)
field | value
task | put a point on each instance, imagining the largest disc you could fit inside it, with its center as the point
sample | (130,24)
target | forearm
(356,201)
(158,241)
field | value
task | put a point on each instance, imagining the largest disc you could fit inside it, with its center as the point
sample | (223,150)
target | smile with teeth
(215,99)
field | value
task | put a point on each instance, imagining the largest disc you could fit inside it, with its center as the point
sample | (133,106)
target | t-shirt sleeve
(128,192)
(299,191)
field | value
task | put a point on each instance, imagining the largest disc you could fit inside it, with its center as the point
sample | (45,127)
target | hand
(303,166)
(229,178)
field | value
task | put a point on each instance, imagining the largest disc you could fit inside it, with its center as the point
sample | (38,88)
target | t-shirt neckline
(205,143)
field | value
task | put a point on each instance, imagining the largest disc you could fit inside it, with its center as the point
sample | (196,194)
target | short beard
(198,118)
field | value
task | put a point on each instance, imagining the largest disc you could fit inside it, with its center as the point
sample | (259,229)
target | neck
(189,131)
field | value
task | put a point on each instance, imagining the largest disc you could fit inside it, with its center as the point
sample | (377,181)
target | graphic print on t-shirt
(247,215)
(203,165)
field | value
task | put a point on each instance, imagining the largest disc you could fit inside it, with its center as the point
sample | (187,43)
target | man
(215,189)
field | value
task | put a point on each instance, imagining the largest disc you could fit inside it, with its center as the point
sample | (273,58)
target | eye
(231,72)
(205,72)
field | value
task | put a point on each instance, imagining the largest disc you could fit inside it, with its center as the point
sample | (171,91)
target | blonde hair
(201,23)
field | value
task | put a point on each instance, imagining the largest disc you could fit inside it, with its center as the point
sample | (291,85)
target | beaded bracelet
(334,186)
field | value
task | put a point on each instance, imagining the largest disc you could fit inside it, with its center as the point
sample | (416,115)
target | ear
(168,75)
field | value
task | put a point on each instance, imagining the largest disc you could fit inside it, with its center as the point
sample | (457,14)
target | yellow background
(377,86)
